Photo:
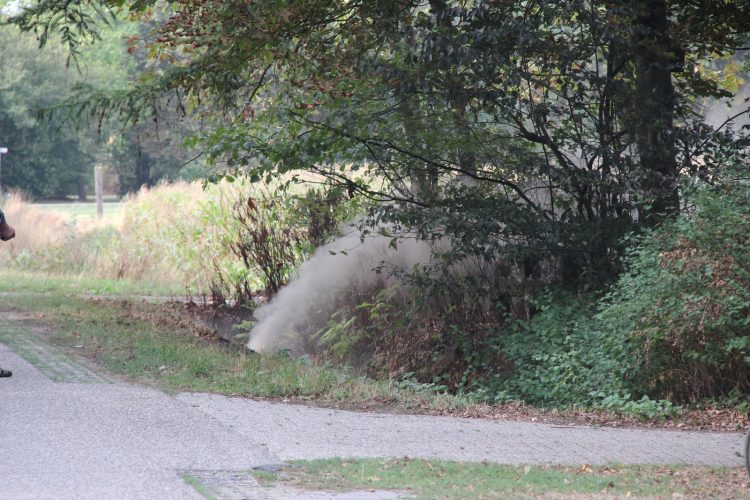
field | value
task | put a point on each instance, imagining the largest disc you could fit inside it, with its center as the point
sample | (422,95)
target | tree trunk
(143,170)
(423,177)
(655,59)
(82,188)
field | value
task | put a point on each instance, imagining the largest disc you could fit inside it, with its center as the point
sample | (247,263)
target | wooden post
(99,194)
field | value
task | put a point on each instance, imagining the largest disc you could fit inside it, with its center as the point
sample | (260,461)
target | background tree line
(53,159)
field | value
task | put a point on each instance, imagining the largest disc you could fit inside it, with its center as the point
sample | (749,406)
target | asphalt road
(68,432)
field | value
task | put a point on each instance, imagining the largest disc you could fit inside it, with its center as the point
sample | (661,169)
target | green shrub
(674,327)
(560,357)
(402,331)
(643,408)
(370,325)
(684,300)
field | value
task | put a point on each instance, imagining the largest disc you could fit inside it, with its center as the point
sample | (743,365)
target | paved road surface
(67,432)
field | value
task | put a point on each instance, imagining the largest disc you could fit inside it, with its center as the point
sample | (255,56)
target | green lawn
(443,479)
(79,210)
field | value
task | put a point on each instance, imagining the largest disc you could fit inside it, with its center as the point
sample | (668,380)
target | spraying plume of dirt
(332,271)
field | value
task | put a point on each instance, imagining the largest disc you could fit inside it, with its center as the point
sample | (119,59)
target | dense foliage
(684,302)
(676,325)
(53,158)
(674,328)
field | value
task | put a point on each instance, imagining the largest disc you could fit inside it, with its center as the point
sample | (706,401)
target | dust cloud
(333,270)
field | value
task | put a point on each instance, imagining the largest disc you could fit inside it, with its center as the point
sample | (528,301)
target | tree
(666,36)
(142,153)
(46,160)
(537,131)
(52,157)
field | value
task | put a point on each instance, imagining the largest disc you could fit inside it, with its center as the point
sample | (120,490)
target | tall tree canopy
(531,129)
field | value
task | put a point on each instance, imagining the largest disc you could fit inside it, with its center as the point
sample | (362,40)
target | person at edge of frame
(6,233)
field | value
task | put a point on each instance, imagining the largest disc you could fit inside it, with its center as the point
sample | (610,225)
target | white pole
(2,152)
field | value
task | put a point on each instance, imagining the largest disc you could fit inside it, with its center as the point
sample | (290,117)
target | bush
(684,301)
(643,408)
(380,328)
(436,331)
(560,357)
(266,241)
(322,211)
(674,328)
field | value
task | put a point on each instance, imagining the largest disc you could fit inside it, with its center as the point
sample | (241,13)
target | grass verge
(170,346)
(442,479)
(18,281)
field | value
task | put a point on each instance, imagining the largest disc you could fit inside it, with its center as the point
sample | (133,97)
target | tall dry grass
(36,230)
(171,235)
